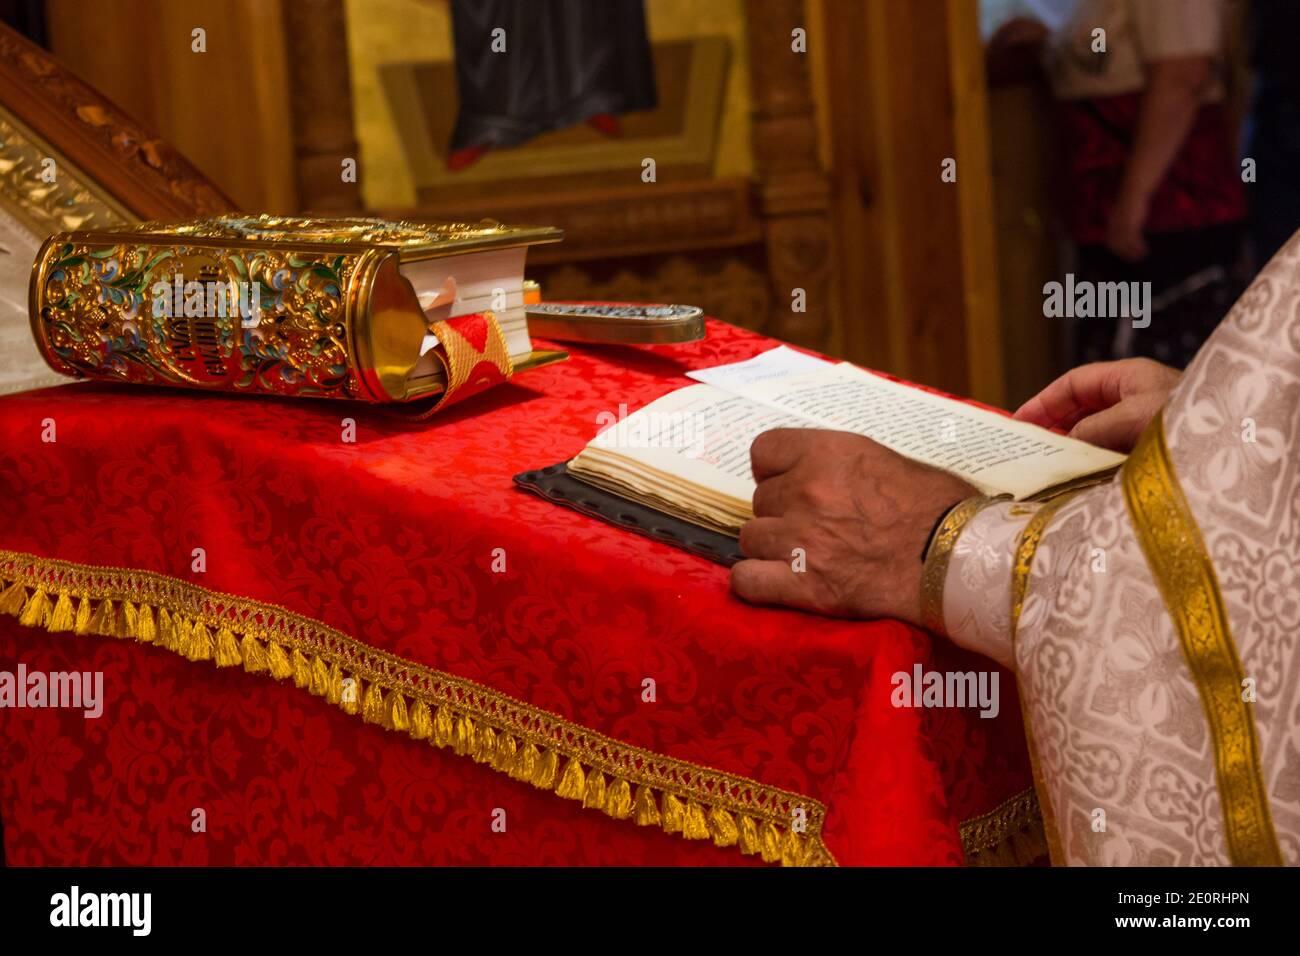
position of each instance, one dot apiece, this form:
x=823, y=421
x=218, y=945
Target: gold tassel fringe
x=594, y=797
x=252, y=654
x=227, y=650
x=13, y=599
x=547, y=771
x=749, y=842
x=526, y=763
x=82, y=624
x=421, y=721
x=398, y=718
x=504, y=757
x=182, y=634
x=36, y=612
x=618, y=799
x=1012, y=834
x=200, y=642
x=674, y=816
x=372, y=711
x=166, y=632
x=485, y=744
x=102, y=621
x=144, y=629
x=573, y=782
x=301, y=670
x=722, y=827
x=695, y=827
x=277, y=662
x=320, y=677
x=334, y=685
x=349, y=694
x=63, y=618
x=543, y=767
x=644, y=810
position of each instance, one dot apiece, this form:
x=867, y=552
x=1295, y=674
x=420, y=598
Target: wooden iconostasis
x=784, y=178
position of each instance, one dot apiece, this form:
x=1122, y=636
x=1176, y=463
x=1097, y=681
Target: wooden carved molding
x=794, y=193
x=729, y=284
x=138, y=171
x=632, y=221
x=320, y=97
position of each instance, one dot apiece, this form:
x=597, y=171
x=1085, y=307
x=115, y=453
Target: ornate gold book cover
x=286, y=306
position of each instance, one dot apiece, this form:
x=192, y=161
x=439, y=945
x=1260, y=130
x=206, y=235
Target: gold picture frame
x=681, y=134
x=70, y=159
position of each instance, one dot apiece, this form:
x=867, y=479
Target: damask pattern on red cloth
x=413, y=540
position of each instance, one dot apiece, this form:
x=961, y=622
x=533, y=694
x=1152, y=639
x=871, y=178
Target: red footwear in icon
x=461, y=158
x=608, y=124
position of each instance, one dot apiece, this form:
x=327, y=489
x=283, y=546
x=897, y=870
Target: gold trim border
x=73, y=201
x=1176, y=554
x=524, y=742
x=1011, y=834
x=934, y=572
x=1026, y=549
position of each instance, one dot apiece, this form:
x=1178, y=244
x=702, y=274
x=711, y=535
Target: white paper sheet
x=772, y=365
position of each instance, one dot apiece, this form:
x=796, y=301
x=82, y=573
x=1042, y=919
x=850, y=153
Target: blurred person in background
x=1274, y=139
x=1151, y=189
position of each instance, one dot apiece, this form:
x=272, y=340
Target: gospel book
x=324, y=308
x=687, y=454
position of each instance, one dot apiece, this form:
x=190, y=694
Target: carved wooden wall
x=321, y=105
x=226, y=108
x=919, y=283
x=793, y=191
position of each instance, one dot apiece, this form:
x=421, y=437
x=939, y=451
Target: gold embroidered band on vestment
x=934, y=572
x=1021, y=569
x=1181, y=566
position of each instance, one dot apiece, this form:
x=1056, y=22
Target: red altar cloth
x=392, y=540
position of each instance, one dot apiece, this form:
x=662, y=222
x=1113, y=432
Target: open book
x=687, y=453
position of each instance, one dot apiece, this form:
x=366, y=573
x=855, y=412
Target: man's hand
x=1106, y=403
x=839, y=524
